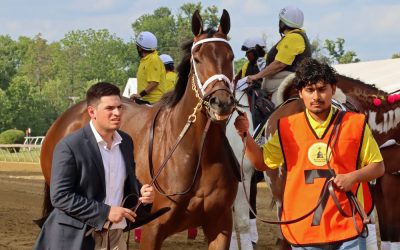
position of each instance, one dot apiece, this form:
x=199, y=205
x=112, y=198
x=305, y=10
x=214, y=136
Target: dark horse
x=384, y=123
x=198, y=181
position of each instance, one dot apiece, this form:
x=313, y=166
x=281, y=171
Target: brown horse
x=384, y=122
x=198, y=181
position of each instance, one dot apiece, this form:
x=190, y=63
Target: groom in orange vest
x=321, y=148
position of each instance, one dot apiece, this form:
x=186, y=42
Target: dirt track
x=21, y=187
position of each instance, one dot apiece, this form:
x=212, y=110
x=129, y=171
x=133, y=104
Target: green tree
x=172, y=31
x=90, y=54
x=318, y=51
x=8, y=60
x=37, y=63
x=4, y=121
x=396, y=55
x=239, y=64
x=337, y=52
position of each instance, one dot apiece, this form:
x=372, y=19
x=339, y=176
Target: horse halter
x=216, y=77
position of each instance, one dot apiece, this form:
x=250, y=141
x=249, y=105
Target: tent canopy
x=384, y=74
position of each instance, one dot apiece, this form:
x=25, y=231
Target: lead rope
x=354, y=202
x=275, y=222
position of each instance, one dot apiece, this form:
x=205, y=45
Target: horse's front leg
x=218, y=231
x=152, y=237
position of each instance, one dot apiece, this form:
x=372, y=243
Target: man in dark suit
x=92, y=171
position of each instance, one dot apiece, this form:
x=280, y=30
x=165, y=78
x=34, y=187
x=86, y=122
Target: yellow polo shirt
x=170, y=81
x=151, y=69
x=291, y=45
x=273, y=155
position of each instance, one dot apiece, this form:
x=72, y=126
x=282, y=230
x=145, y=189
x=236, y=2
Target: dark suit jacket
x=77, y=190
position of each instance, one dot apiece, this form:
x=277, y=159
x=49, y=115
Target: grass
x=24, y=155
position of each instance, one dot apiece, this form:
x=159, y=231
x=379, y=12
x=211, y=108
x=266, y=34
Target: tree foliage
x=171, y=31
x=39, y=80
x=9, y=60
x=337, y=52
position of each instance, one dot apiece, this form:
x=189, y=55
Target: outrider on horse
x=180, y=142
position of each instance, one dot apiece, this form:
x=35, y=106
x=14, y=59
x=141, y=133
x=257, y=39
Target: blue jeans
x=356, y=244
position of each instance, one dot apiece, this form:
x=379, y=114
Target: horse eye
x=196, y=60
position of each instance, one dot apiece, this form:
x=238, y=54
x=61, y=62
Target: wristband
x=143, y=93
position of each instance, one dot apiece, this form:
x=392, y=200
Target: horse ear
x=224, y=22
x=197, y=23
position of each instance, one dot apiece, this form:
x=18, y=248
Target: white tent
x=130, y=87
x=384, y=74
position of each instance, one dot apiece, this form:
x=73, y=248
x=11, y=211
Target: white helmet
x=251, y=42
x=166, y=59
x=292, y=16
x=146, y=40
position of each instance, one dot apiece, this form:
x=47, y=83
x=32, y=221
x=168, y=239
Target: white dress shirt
x=114, y=170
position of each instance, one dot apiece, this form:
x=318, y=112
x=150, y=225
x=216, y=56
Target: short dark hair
x=310, y=71
x=169, y=66
x=100, y=89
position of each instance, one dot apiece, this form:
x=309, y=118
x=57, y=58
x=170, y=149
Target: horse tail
x=47, y=207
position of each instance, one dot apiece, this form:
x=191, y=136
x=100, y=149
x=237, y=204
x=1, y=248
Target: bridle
x=203, y=99
x=228, y=83
x=202, y=96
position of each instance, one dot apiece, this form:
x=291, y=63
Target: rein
x=190, y=121
x=202, y=100
x=202, y=96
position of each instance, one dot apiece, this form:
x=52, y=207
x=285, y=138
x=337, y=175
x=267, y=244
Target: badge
x=317, y=154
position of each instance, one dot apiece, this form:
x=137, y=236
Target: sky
x=371, y=28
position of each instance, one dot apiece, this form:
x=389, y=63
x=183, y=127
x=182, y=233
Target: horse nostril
x=232, y=100
x=214, y=101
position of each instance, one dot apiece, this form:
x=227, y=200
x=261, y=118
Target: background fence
x=27, y=152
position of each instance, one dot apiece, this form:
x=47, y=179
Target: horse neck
x=186, y=107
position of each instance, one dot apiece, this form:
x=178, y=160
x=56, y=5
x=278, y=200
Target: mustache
x=317, y=102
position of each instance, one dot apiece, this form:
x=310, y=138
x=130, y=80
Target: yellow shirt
x=151, y=69
x=291, y=45
x=273, y=155
x=170, y=81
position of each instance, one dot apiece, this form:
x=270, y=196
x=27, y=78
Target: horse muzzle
x=220, y=105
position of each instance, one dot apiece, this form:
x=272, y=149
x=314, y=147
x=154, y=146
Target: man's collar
x=117, y=139
x=315, y=124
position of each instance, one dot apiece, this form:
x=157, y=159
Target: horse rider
x=327, y=154
x=151, y=71
x=170, y=77
x=254, y=47
x=284, y=57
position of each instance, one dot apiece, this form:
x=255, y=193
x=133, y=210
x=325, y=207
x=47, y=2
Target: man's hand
x=252, y=78
x=147, y=193
x=242, y=124
x=118, y=213
x=345, y=182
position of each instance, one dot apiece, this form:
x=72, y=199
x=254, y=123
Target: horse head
x=212, y=67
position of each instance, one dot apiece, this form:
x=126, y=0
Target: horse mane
x=371, y=87
x=172, y=98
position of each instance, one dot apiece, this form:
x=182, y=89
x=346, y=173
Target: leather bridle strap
x=354, y=202
x=154, y=176
x=217, y=77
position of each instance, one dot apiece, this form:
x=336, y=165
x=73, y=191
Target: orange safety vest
x=307, y=172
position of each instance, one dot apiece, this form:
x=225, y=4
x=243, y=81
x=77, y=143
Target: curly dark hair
x=311, y=71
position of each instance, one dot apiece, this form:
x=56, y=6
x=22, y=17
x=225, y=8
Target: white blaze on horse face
x=391, y=119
